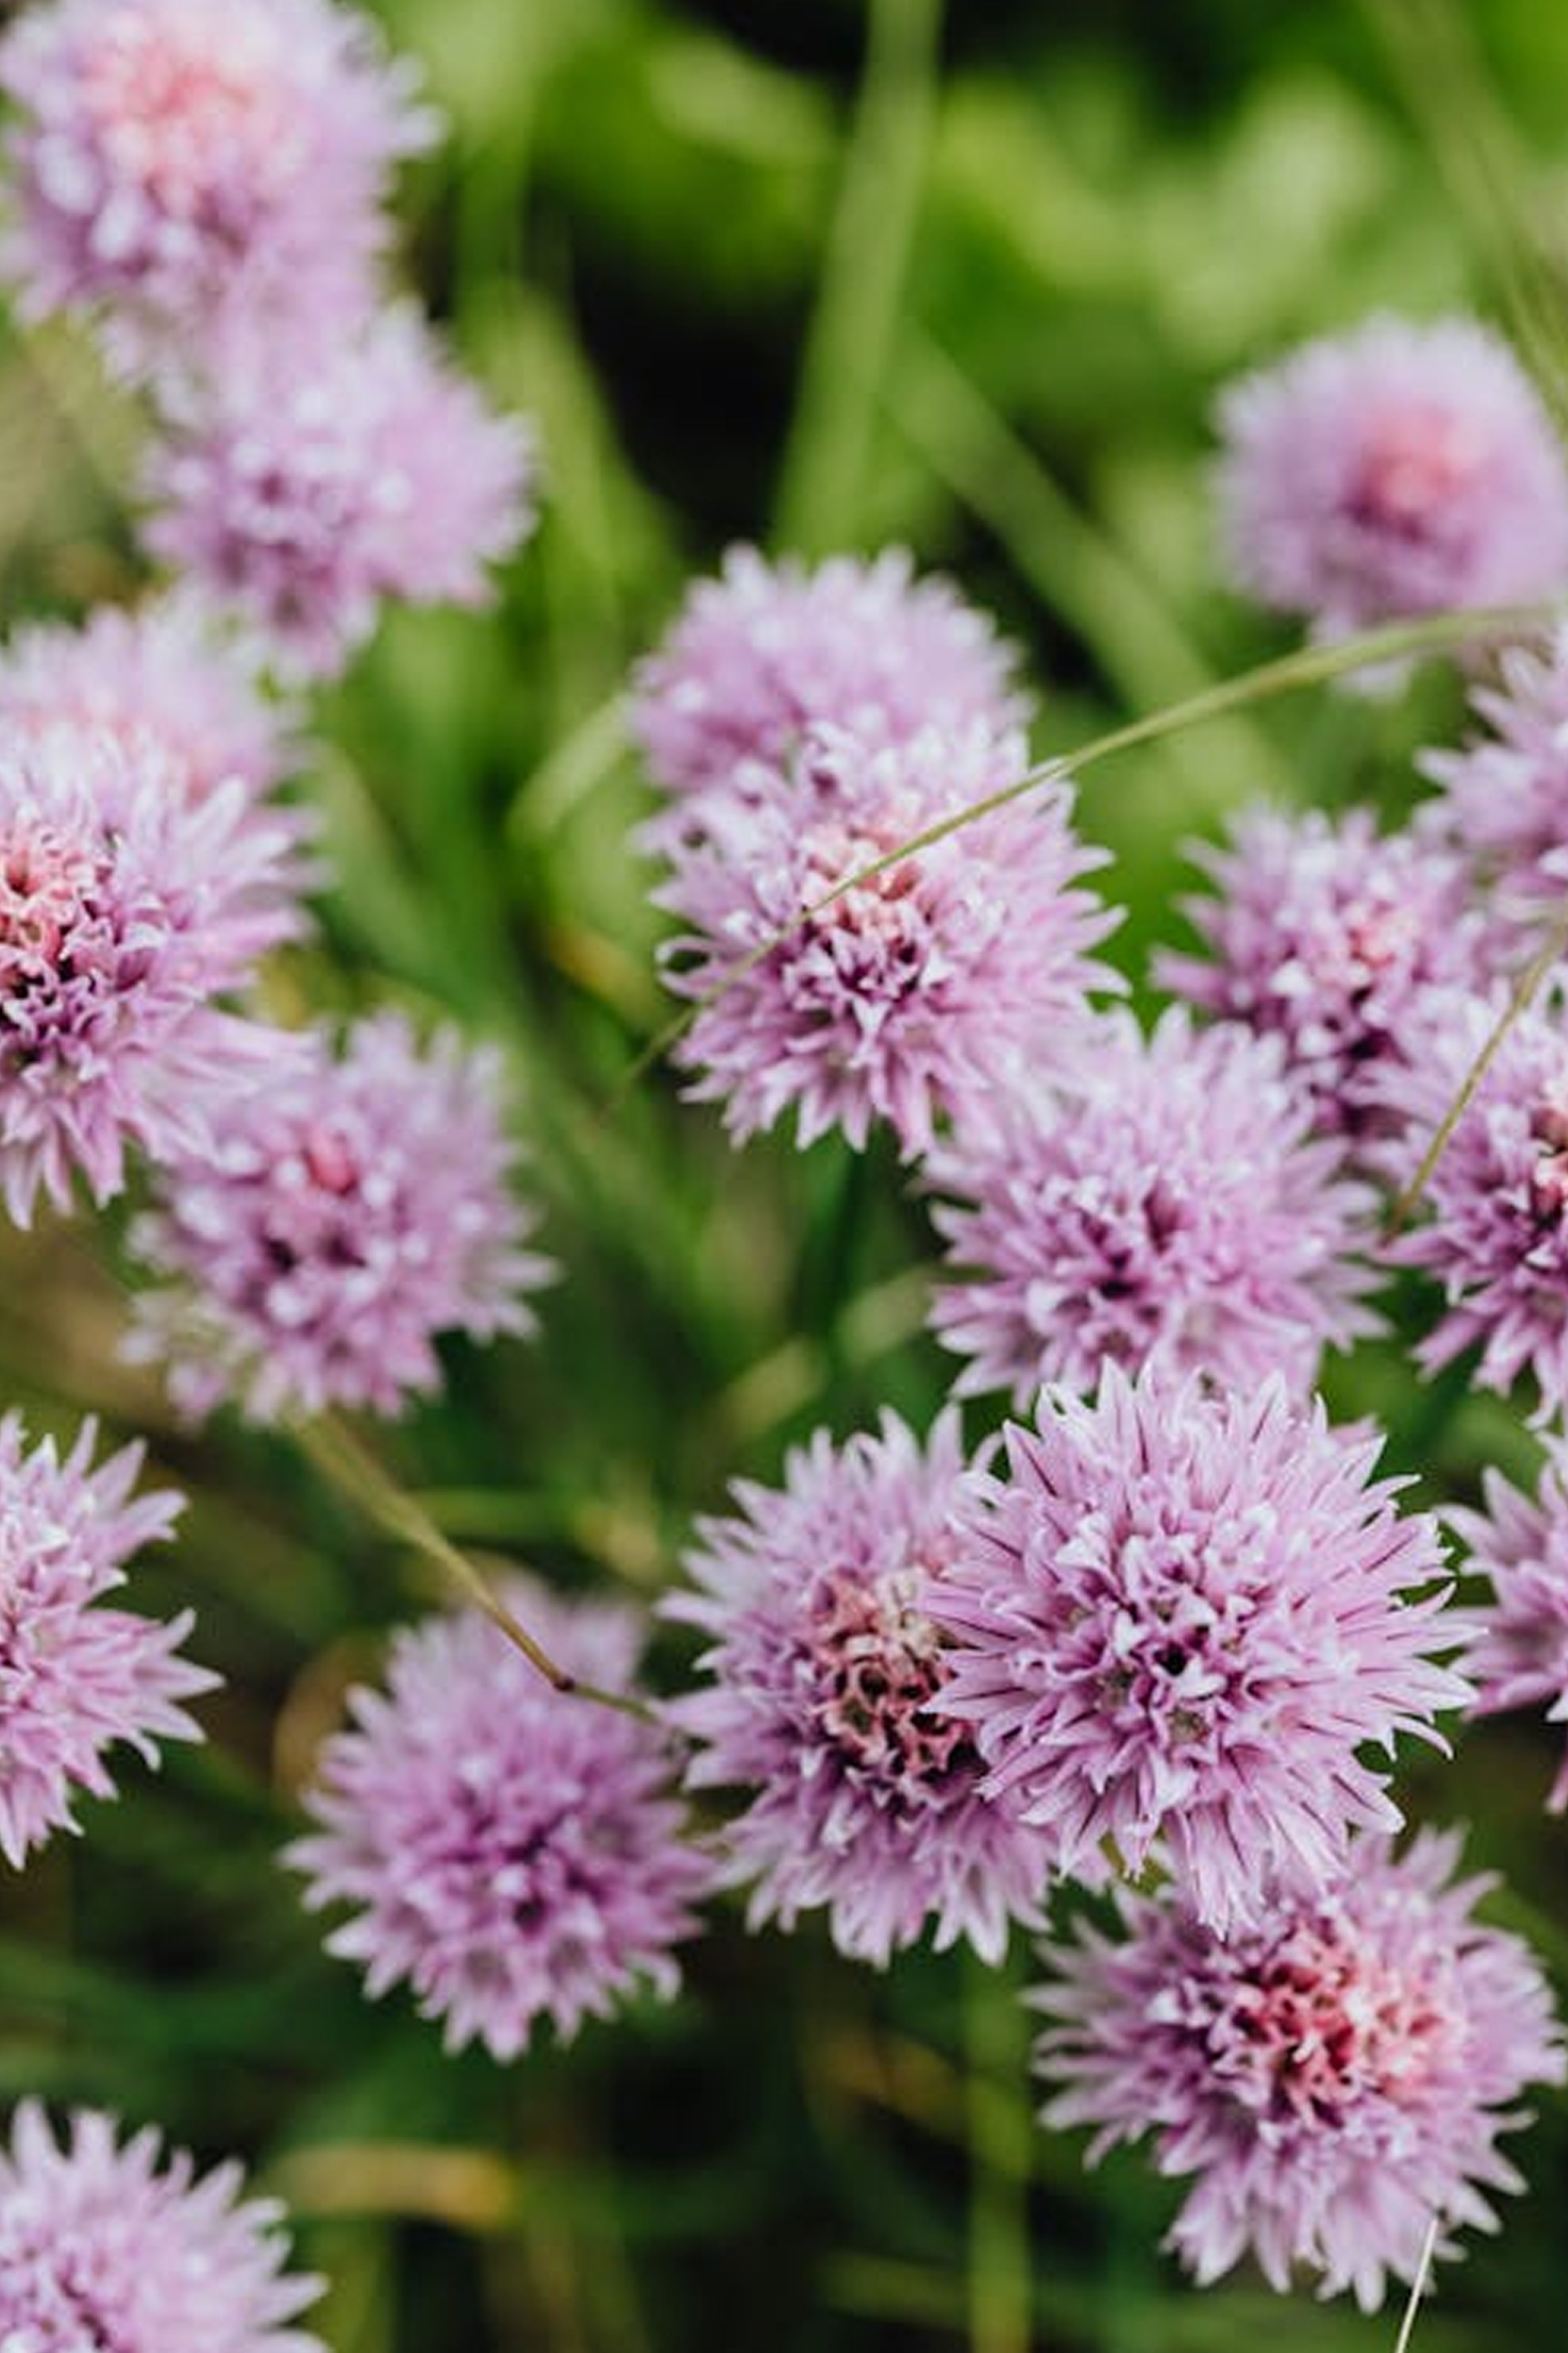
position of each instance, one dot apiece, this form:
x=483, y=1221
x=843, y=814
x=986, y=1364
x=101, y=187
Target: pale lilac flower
x=346, y=1216
x=511, y=1852
x=1517, y=1653
x=824, y=1664
x=1505, y=797
x=301, y=497
x=126, y=912
x=1335, y=937
x=160, y=670
x=935, y=978
x=1179, y=1618
x=104, y=2245
x=1497, y=1235
x=1335, y=2076
x=1390, y=472
x=1163, y=1199
x=756, y=658
x=175, y=162
x=76, y=1677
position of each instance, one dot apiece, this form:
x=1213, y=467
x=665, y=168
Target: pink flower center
x=1549, y=1176
x=1415, y=460
x=45, y=882
x=877, y=1665
x=329, y=1161
x=1320, y=2020
x=186, y=107
x=876, y=909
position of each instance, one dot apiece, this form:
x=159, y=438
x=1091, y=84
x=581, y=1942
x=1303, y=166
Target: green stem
x=1001, y=2135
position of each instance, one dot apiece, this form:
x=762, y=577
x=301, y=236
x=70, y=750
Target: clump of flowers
x=510, y=1852
x=826, y=1666
x=126, y=914
x=1334, y=937
x=1505, y=797
x=177, y=165
x=1177, y=1620
x=301, y=497
x=108, y=2244
x=1517, y=1651
x=1390, y=472
x=75, y=1676
x=1335, y=2076
x=346, y=1214
x=934, y=978
x=1163, y=1199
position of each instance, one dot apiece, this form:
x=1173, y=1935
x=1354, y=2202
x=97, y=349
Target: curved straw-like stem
x=1417, y=2286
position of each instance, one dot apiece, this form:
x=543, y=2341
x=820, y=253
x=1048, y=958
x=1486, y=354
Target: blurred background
x=820, y=275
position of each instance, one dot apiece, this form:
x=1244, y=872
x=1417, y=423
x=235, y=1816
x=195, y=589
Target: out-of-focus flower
x=1394, y=472
x=301, y=497
x=824, y=1667
x=76, y=1677
x=345, y=1217
x=1517, y=1653
x=1335, y=2077
x=511, y=1852
x=1179, y=1618
x=1163, y=1199
x=104, y=2245
x=176, y=162
x=1505, y=798
x=126, y=912
x=939, y=975
x=1335, y=937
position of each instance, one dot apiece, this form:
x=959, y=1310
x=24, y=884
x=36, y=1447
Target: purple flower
x=299, y=497
x=758, y=657
x=125, y=911
x=1505, y=798
x=1178, y=1618
x=511, y=1852
x=1335, y=2076
x=76, y=1677
x=346, y=1216
x=105, y=2246
x=935, y=978
x=1163, y=1199
x=176, y=163
x=1390, y=472
x=1518, y=1649
x=1334, y=937
x=824, y=1665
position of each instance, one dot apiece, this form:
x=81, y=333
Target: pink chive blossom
x=126, y=914
x=1335, y=938
x=511, y=1852
x=75, y=1676
x=765, y=652
x=300, y=498
x=1504, y=796
x=1496, y=1235
x=111, y=2245
x=1391, y=472
x=1178, y=1618
x=162, y=671
x=1334, y=2076
x=344, y=1217
x=1518, y=1650
x=175, y=163
x=824, y=1666
x=1165, y=1200
x=934, y=978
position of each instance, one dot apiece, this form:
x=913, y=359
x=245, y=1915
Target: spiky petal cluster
x=125, y=911
x=1517, y=1653
x=110, y=2245
x=824, y=1665
x=1179, y=1618
x=767, y=651
x=1496, y=1233
x=301, y=497
x=510, y=1852
x=1165, y=1200
x=346, y=1214
x=1505, y=797
x=1335, y=2077
x=1334, y=937
x=160, y=671
x=930, y=979
x=76, y=1677
x=1390, y=472
x=175, y=163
